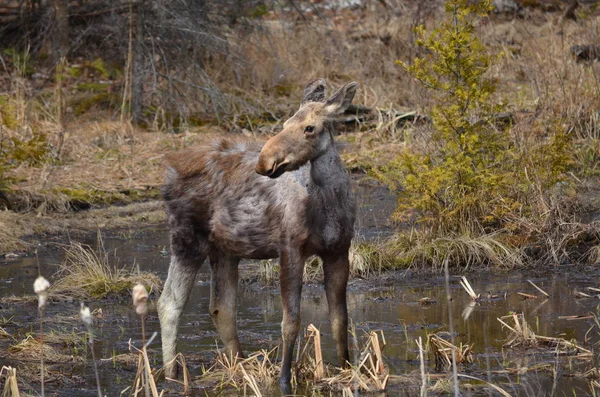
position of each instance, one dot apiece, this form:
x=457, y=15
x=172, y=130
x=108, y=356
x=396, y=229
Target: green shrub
x=472, y=176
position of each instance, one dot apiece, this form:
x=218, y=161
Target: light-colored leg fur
x=181, y=279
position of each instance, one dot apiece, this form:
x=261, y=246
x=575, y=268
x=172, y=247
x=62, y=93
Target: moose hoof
x=171, y=371
x=285, y=386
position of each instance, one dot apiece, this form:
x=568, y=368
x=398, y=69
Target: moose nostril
x=273, y=169
x=262, y=167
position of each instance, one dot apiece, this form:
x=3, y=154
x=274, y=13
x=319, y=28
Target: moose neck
x=327, y=169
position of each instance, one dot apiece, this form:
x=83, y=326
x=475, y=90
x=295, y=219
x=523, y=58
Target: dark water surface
x=391, y=306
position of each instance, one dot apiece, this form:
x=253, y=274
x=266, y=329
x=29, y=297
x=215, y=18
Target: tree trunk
x=137, y=90
x=60, y=42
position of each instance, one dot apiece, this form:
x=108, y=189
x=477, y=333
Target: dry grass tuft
x=417, y=249
x=258, y=370
x=442, y=351
x=521, y=335
x=268, y=272
x=32, y=349
x=370, y=375
x=85, y=273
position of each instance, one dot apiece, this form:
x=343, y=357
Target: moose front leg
x=336, y=270
x=290, y=279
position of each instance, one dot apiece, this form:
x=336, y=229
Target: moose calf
x=291, y=199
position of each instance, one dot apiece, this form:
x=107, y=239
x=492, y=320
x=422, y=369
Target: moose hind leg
x=336, y=270
x=223, y=300
x=187, y=257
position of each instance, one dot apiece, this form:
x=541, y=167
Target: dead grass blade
x=11, y=384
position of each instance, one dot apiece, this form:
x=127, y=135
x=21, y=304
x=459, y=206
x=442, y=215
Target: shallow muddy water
x=391, y=305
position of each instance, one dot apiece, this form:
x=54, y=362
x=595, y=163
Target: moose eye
x=309, y=129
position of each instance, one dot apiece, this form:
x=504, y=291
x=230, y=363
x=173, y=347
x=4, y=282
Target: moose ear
x=314, y=92
x=339, y=102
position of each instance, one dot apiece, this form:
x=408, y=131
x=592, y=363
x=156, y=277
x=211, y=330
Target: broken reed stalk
x=40, y=287
x=444, y=351
x=377, y=349
x=538, y=288
x=11, y=385
x=369, y=373
x=467, y=286
x=422, y=362
x=144, y=380
x=86, y=317
x=315, y=334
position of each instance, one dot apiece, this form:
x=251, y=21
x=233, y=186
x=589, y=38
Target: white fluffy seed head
x=86, y=315
x=42, y=299
x=140, y=299
x=40, y=285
